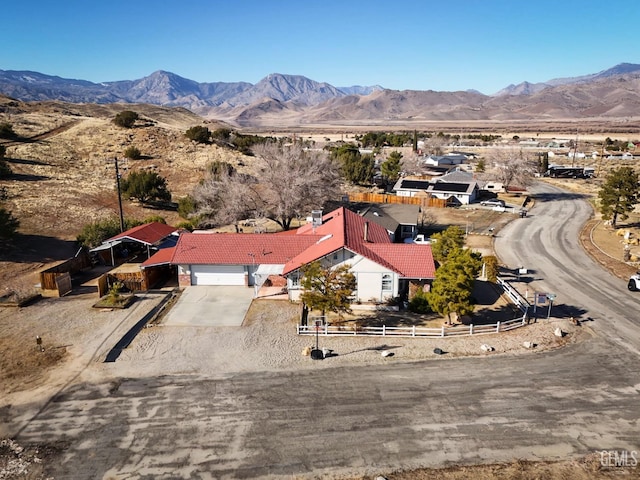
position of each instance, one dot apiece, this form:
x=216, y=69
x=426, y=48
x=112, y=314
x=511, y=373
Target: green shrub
x=126, y=119
x=419, y=303
x=94, y=233
x=198, y=134
x=133, y=153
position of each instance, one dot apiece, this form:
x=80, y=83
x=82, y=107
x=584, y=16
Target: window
x=295, y=280
x=387, y=282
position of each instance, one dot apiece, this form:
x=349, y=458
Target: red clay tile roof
x=409, y=260
x=149, y=233
x=235, y=248
x=340, y=228
x=161, y=257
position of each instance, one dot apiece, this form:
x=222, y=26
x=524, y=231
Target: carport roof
x=149, y=233
x=161, y=257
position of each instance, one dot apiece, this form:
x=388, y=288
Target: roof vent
x=326, y=237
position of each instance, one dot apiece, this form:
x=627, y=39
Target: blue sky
x=402, y=44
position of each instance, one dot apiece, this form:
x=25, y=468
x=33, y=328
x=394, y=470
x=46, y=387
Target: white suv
x=634, y=282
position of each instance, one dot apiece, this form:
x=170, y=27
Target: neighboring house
x=467, y=155
x=410, y=187
x=143, y=240
x=383, y=269
x=444, y=160
x=400, y=221
x=457, y=187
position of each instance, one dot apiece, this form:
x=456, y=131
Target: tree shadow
x=378, y=348
x=552, y=197
x=21, y=177
x=38, y=248
x=485, y=292
x=490, y=316
x=395, y=319
x=24, y=161
x=567, y=311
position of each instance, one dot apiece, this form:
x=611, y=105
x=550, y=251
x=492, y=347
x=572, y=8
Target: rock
x=528, y=344
x=386, y=353
x=486, y=348
x=438, y=351
x=306, y=351
x=558, y=332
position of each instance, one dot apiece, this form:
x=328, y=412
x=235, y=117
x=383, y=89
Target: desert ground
x=66, y=177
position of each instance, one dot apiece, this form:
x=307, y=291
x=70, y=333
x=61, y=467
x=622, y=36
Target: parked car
x=494, y=202
x=634, y=282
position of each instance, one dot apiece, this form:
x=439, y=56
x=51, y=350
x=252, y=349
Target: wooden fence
x=386, y=198
x=413, y=331
x=56, y=280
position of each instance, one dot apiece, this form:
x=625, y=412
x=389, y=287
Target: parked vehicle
x=634, y=282
x=494, y=202
x=420, y=239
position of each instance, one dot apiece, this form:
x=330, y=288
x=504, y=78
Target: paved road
x=546, y=242
x=367, y=420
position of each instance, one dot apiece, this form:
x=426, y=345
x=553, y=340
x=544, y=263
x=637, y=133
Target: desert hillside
x=64, y=174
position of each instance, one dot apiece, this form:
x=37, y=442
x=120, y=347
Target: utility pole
x=119, y=195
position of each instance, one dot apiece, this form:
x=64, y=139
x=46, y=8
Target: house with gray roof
x=457, y=187
x=400, y=220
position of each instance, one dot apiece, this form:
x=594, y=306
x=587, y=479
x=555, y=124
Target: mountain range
x=280, y=99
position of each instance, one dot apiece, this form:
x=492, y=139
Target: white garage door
x=217, y=275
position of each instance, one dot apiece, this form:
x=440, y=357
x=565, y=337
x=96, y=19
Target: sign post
x=551, y=297
x=316, y=354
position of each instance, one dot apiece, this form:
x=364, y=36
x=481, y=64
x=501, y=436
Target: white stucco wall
x=368, y=277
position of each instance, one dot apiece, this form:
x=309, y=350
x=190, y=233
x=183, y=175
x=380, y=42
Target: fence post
x=326, y=329
x=384, y=330
x=413, y=331
x=498, y=327
x=442, y=331
x=471, y=329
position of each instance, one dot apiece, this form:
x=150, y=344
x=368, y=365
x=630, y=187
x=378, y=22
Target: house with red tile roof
x=382, y=269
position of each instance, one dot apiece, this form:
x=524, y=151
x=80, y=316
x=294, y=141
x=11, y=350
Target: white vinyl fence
x=317, y=326
x=413, y=331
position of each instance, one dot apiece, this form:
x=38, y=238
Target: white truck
x=420, y=239
x=634, y=282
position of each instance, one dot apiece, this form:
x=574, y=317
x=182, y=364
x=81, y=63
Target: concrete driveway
x=211, y=306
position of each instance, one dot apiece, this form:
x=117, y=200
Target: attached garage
x=218, y=275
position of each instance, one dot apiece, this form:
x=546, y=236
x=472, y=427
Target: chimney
x=316, y=218
x=366, y=231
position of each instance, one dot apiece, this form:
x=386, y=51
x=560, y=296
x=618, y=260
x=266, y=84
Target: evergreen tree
x=391, y=168
x=619, y=194
x=445, y=242
x=145, y=186
x=8, y=225
x=451, y=290
x=356, y=168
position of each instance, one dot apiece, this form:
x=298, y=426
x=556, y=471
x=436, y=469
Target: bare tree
x=290, y=182
x=511, y=166
x=224, y=199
